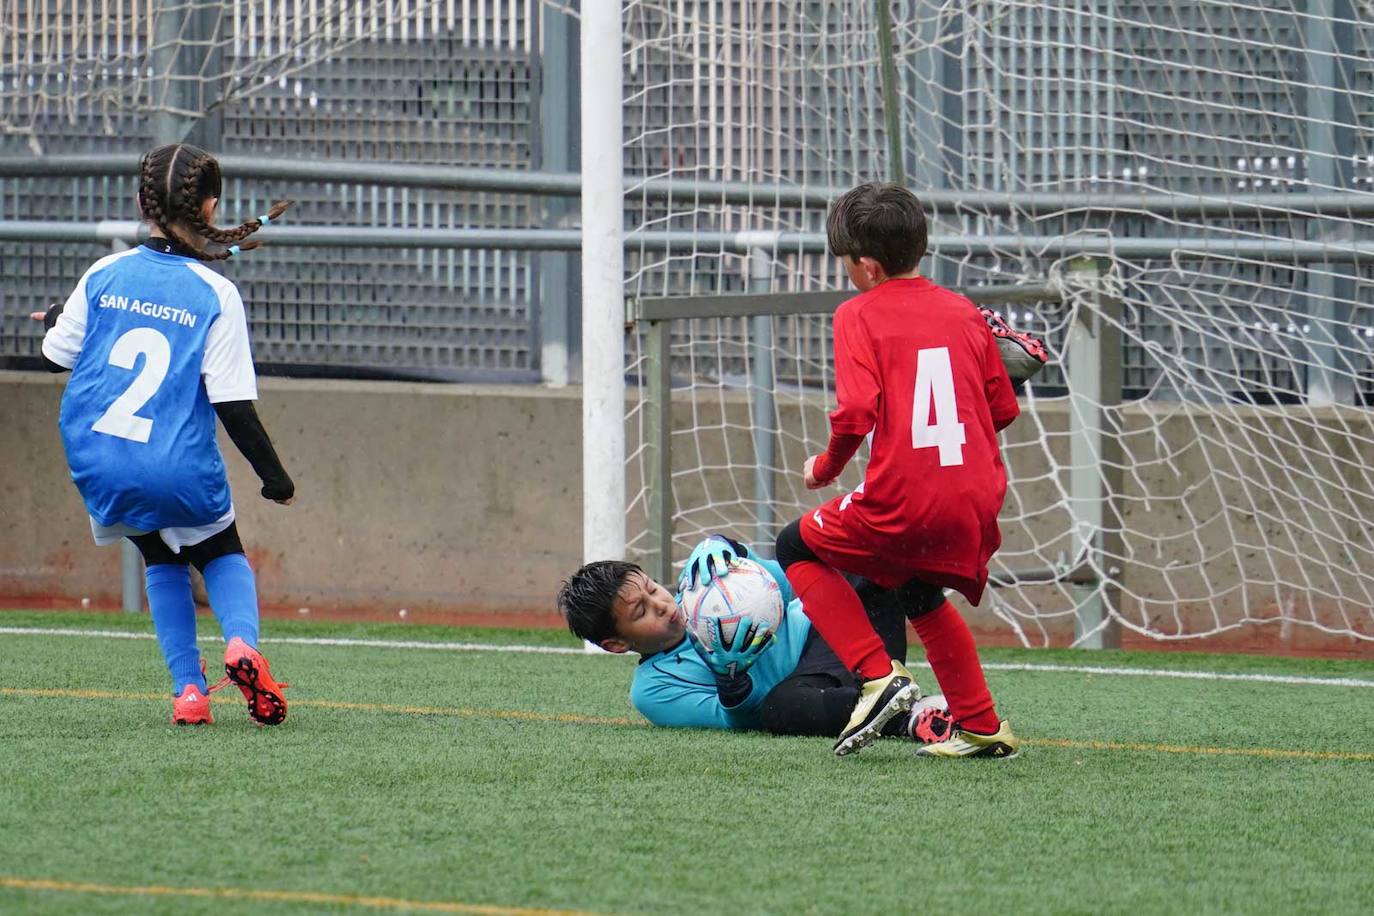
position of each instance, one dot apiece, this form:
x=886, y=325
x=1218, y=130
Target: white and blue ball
x=747, y=590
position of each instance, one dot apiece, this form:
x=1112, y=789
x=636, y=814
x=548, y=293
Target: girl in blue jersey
x=157, y=344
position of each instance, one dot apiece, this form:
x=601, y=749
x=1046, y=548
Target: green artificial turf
x=485, y=797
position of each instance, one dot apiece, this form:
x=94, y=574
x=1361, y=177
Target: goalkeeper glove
x=712, y=557
x=751, y=639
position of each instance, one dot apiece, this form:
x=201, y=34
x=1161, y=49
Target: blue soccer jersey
x=675, y=688
x=152, y=339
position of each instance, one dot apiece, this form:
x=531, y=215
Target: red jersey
x=916, y=365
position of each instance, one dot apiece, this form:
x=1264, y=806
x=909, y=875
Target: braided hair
x=174, y=181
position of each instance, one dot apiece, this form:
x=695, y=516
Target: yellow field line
x=464, y=712
x=579, y=719
x=470, y=712
x=1272, y=752
x=228, y=893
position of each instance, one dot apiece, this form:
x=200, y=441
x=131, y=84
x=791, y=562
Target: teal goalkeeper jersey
x=674, y=688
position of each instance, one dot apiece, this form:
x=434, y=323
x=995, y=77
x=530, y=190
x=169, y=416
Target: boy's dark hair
x=587, y=598
x=881, y=221
x=174, y=181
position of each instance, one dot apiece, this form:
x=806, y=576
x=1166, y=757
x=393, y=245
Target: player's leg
x=817, y=698
x=232, y=588
x=930, y=719
x=229, y=583
x=886, y=609
x=167, y=580
x=813, y=705
x=953, y=657
x=832, y=605
x=836, y=612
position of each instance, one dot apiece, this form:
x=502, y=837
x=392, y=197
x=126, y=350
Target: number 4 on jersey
x=935, y=381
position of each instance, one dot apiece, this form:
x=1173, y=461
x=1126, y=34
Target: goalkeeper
x=787, y=682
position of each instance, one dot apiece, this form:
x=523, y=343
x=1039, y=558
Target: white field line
x=562, y=650
x=1184, y=675
x=321, y=641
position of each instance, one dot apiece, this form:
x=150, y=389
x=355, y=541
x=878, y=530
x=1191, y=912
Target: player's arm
x=245, y=429
x=674, y=703
x=826, y=466
x=49, y=319
x=64, y=326
x=858, y=389
x=232, y=386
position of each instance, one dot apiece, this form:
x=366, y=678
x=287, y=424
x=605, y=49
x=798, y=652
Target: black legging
x=156, y=552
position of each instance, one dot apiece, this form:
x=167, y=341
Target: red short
x=840, y=538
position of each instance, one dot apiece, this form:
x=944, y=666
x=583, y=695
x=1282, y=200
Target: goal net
x=1214, y=156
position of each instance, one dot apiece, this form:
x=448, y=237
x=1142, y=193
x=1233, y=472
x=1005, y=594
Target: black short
x=156, y=552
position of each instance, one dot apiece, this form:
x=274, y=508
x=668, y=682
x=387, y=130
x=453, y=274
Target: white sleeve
x=228, y=363
x=62, y=344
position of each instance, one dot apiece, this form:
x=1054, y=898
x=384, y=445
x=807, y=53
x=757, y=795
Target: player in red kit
x=917, y=366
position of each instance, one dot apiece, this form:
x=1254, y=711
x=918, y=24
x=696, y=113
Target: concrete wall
x=443, y=497
x=464, y=498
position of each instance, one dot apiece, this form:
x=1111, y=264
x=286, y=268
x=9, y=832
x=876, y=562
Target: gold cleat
x=879, y=700
x=960, y=743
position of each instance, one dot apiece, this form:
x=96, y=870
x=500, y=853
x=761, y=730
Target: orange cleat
x=246, y=667
x=192, y=707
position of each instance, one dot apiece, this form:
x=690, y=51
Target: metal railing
x=1353, y=204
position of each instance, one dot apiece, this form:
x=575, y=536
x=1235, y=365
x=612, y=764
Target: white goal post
x=603, y=285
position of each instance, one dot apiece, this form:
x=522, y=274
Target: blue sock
x=233, y=596
x=174, y=619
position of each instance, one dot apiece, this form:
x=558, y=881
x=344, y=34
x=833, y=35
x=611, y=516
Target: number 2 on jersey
x=121, y=418
x=935, y=381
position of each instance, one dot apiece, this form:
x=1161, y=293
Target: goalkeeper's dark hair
x=174, y=181
x=878, y=220
x=587, y=598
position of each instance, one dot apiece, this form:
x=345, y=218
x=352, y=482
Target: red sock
x=953, y=657
x=838, y=615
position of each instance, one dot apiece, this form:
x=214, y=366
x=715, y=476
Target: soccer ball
x=747, y=590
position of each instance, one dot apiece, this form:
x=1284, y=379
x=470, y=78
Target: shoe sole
x=176, y=721
x=244, y=673
x=901, y=702
x=989, y=752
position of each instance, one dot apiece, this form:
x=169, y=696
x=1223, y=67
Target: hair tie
x=233, y=250
x=265, y=220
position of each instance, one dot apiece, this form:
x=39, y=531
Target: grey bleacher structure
x=442, y=98
x=408, y=312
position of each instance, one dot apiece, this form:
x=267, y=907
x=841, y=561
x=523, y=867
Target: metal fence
x=459, y=84
x=465, y=93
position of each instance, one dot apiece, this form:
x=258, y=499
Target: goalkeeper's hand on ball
x=712, y=557
x=751, y=639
